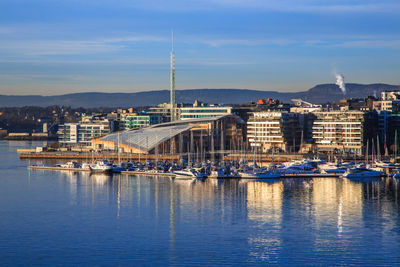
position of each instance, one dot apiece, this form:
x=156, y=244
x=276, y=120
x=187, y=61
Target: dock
x=95, y=156
x=53, y=168
x=311, y=175
x=148, y=173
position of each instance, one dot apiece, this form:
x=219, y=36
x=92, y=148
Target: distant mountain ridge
x=321, y=93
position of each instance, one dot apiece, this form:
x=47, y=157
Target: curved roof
x=146, y=139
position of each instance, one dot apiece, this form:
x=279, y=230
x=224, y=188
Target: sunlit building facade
x=274, y=130
x=339, y=131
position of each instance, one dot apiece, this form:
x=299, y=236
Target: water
x=59, y=218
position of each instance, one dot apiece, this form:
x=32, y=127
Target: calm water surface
x=60, y=218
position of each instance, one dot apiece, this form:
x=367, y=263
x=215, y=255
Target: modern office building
x=164, y=111
x=132, y=121
x=200, y=110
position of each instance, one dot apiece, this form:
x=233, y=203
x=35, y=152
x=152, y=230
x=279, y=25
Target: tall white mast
x=172, y=81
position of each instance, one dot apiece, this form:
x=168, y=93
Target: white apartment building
x=85, y=131
x=339, y=130
x=274, y=130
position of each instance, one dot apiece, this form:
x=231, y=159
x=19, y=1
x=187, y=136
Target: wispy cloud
x=116, y=44
x=370, y=44
x=344, y=41
x=315, y=6
x=303, y=6
x=244, y=42
x=72, y=47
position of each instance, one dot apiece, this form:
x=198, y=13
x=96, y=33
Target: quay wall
x=89, y=156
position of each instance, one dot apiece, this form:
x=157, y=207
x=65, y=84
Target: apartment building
x=274, y=130
x=339, y=131
x=85, y=131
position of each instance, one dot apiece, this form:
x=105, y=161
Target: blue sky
x=52, y=47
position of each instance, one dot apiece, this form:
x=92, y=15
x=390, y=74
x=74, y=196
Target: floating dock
x=53, y=168
x=148, y=173
x=311, y=175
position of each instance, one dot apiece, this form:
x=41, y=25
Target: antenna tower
x=172, y=81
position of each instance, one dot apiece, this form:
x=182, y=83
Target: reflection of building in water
x=264, y=201
x=336, y=199
x=264, y=208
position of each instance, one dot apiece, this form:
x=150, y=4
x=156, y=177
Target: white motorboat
x=85, y=166
x=70, y=165
x=332, y=168
x=101, y=166
x=189, y=174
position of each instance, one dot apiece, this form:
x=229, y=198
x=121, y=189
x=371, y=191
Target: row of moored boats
x=239, y=169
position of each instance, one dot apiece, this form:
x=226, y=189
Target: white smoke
x=340, y=82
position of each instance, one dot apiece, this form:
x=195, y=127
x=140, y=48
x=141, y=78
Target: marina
x=248, y=216
x=200, y=133
x=312, y=168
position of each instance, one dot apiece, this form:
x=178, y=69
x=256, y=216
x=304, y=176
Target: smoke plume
x=340, y=83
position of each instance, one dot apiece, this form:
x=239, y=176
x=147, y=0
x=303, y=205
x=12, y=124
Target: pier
x=96, y=156
x=53, y=168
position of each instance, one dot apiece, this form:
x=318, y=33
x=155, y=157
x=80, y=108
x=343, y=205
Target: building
x=82, y=133
x=341, y=131
x=273, y=130
x=196, y=111
x=164, y=111
x=68, y=133
x=389, y=101
x=390, y=95
x=132, y=121
x=387, y=105
x=195, y=138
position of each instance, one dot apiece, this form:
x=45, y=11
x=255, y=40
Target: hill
x=319, y=94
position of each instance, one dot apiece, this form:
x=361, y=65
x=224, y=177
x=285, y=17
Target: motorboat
x=362, y=173
x=189, y=173
x=257, y=175
x=223, y=173
x=85, y=166
x=101, y=166
x=70, y=165
x=332, y=168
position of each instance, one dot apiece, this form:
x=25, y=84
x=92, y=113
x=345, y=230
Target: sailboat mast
x=395, y=145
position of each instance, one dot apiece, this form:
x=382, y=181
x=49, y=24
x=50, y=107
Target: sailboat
x=118, y=168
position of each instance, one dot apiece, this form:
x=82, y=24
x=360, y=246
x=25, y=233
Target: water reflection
x=284, y=217
x=132, y=220
x=263, y=201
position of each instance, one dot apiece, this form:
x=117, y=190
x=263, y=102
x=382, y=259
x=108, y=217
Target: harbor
x=242, y=169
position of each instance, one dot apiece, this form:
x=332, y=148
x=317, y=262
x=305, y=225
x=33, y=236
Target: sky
x=52, y=47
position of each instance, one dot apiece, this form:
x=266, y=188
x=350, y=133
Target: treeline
x=31, y=118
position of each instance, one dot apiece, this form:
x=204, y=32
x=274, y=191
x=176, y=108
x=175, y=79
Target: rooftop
x=146, y=139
